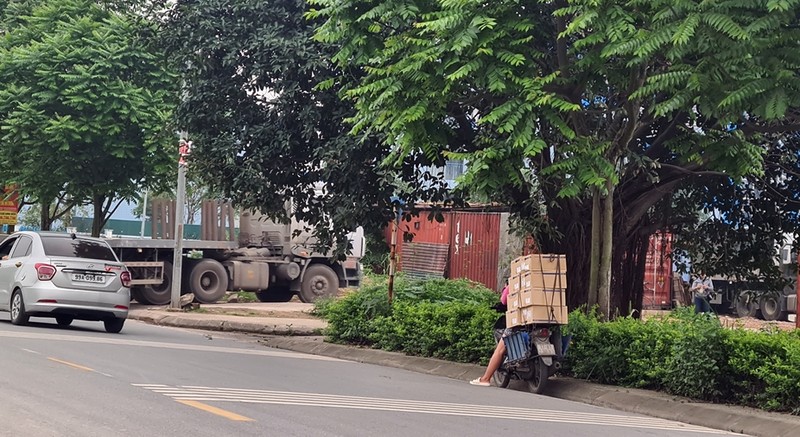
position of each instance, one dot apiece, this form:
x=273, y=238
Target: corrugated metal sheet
x=474, y=247
x=424, y=259
x=658, y=273
x=472, y=240
x=419, y=230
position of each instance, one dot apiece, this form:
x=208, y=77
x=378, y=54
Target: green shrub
x=447, y=319
x=689, y=355
x=765, y=369
x=455, y=331
x=684, y=353
x=697, y=358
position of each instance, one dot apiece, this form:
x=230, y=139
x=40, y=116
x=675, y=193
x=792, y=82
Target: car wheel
x=319, y=281
x=18, y=314
x=275, y=294
x=114, y=325
x=208, y=281
x=64, y=320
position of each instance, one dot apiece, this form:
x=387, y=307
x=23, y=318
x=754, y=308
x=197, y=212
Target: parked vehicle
x=757, y=299
x=274, y=260
x=63, y=276
x=533, y=354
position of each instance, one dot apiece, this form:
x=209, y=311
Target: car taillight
x=125, y=277
x=45, y=272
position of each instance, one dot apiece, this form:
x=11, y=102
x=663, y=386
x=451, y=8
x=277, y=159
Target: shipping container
x=658, y=273
x=477, y=245
x=466, y=244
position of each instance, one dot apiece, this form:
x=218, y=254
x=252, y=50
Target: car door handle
x=18, y=264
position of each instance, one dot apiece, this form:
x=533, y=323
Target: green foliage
x=447, y=319
x=454, y=331
x=689, y=355
x=85, y=101
x=260, y=102
x=566, y=97
x=765, y=368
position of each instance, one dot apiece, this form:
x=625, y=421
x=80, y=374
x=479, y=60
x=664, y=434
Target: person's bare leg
x=495, y=361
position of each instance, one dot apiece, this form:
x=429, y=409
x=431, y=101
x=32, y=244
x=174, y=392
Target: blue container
x=518, y=346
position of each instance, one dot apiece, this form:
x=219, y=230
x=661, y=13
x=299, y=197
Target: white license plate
x=94, y=279
x=545, y=349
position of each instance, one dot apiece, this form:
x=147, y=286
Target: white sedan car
x=64, y=276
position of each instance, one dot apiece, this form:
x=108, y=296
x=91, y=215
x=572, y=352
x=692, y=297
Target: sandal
x=478, y=382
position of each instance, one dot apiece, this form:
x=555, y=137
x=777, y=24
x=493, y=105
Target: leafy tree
x=260, y=104
x=85, y=102
x=607, y=106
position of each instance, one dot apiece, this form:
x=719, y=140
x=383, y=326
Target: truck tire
x=275, y=294
x=137, y=295
x=160, y=294
x=208, y=281
x=770, y=307
x=319, y=281
x=745, y=307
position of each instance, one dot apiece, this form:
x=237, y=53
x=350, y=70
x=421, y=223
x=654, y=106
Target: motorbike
x=533, y=354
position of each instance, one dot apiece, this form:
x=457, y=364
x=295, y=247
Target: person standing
x=701, y=289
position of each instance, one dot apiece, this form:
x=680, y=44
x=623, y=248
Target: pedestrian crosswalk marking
x=253, y=396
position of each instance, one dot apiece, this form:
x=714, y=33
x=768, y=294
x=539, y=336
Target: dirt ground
x=248, y=312
x=754, y=324
x=750, y=323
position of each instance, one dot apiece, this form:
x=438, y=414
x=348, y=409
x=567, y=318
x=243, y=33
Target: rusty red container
x=465, y=245
x=658, y=273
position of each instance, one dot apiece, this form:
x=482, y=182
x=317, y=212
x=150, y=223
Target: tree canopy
x=622, y=100
x=85, y=102
x=260, y=103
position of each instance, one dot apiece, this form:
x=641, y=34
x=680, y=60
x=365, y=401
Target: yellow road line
x=218, y=411
x=67, y=363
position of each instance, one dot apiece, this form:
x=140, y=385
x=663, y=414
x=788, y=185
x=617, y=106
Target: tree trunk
x=46, y=220
x=624, y=259
x=594, y=263
x=98, y=220
x=606, y=252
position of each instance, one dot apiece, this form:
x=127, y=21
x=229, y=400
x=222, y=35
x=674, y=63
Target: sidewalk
x=290, y=326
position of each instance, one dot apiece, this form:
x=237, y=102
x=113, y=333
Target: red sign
x=9, y=204
x=184, y=149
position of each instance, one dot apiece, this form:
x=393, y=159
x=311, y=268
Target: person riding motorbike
x=499, y=351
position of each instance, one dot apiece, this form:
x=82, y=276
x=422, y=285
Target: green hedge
x=684, y=353
x=689, y=355
x=447, y=319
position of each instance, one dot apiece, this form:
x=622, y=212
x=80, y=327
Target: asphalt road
x=157, y=381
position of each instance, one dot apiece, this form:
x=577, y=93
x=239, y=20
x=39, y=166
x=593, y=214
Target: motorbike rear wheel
x=538, y=380
x=501, y=378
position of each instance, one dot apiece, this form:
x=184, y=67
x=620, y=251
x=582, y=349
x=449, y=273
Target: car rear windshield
x=77, y=248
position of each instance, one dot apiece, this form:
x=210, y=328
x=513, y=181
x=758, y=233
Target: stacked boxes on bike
x=537, y=296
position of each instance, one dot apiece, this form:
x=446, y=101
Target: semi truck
x=274, y=260
x=750, y=299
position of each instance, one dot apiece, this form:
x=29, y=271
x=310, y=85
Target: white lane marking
x=163, y=345
x=211, y=394
x=33, y=352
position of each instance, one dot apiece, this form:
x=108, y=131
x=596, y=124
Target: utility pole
x=184, y=149
x=144, y=214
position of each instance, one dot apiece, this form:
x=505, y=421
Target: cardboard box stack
x=537, y=290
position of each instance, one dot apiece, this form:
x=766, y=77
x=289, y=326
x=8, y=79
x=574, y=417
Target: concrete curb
x=655, y=404
x=210, y=324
